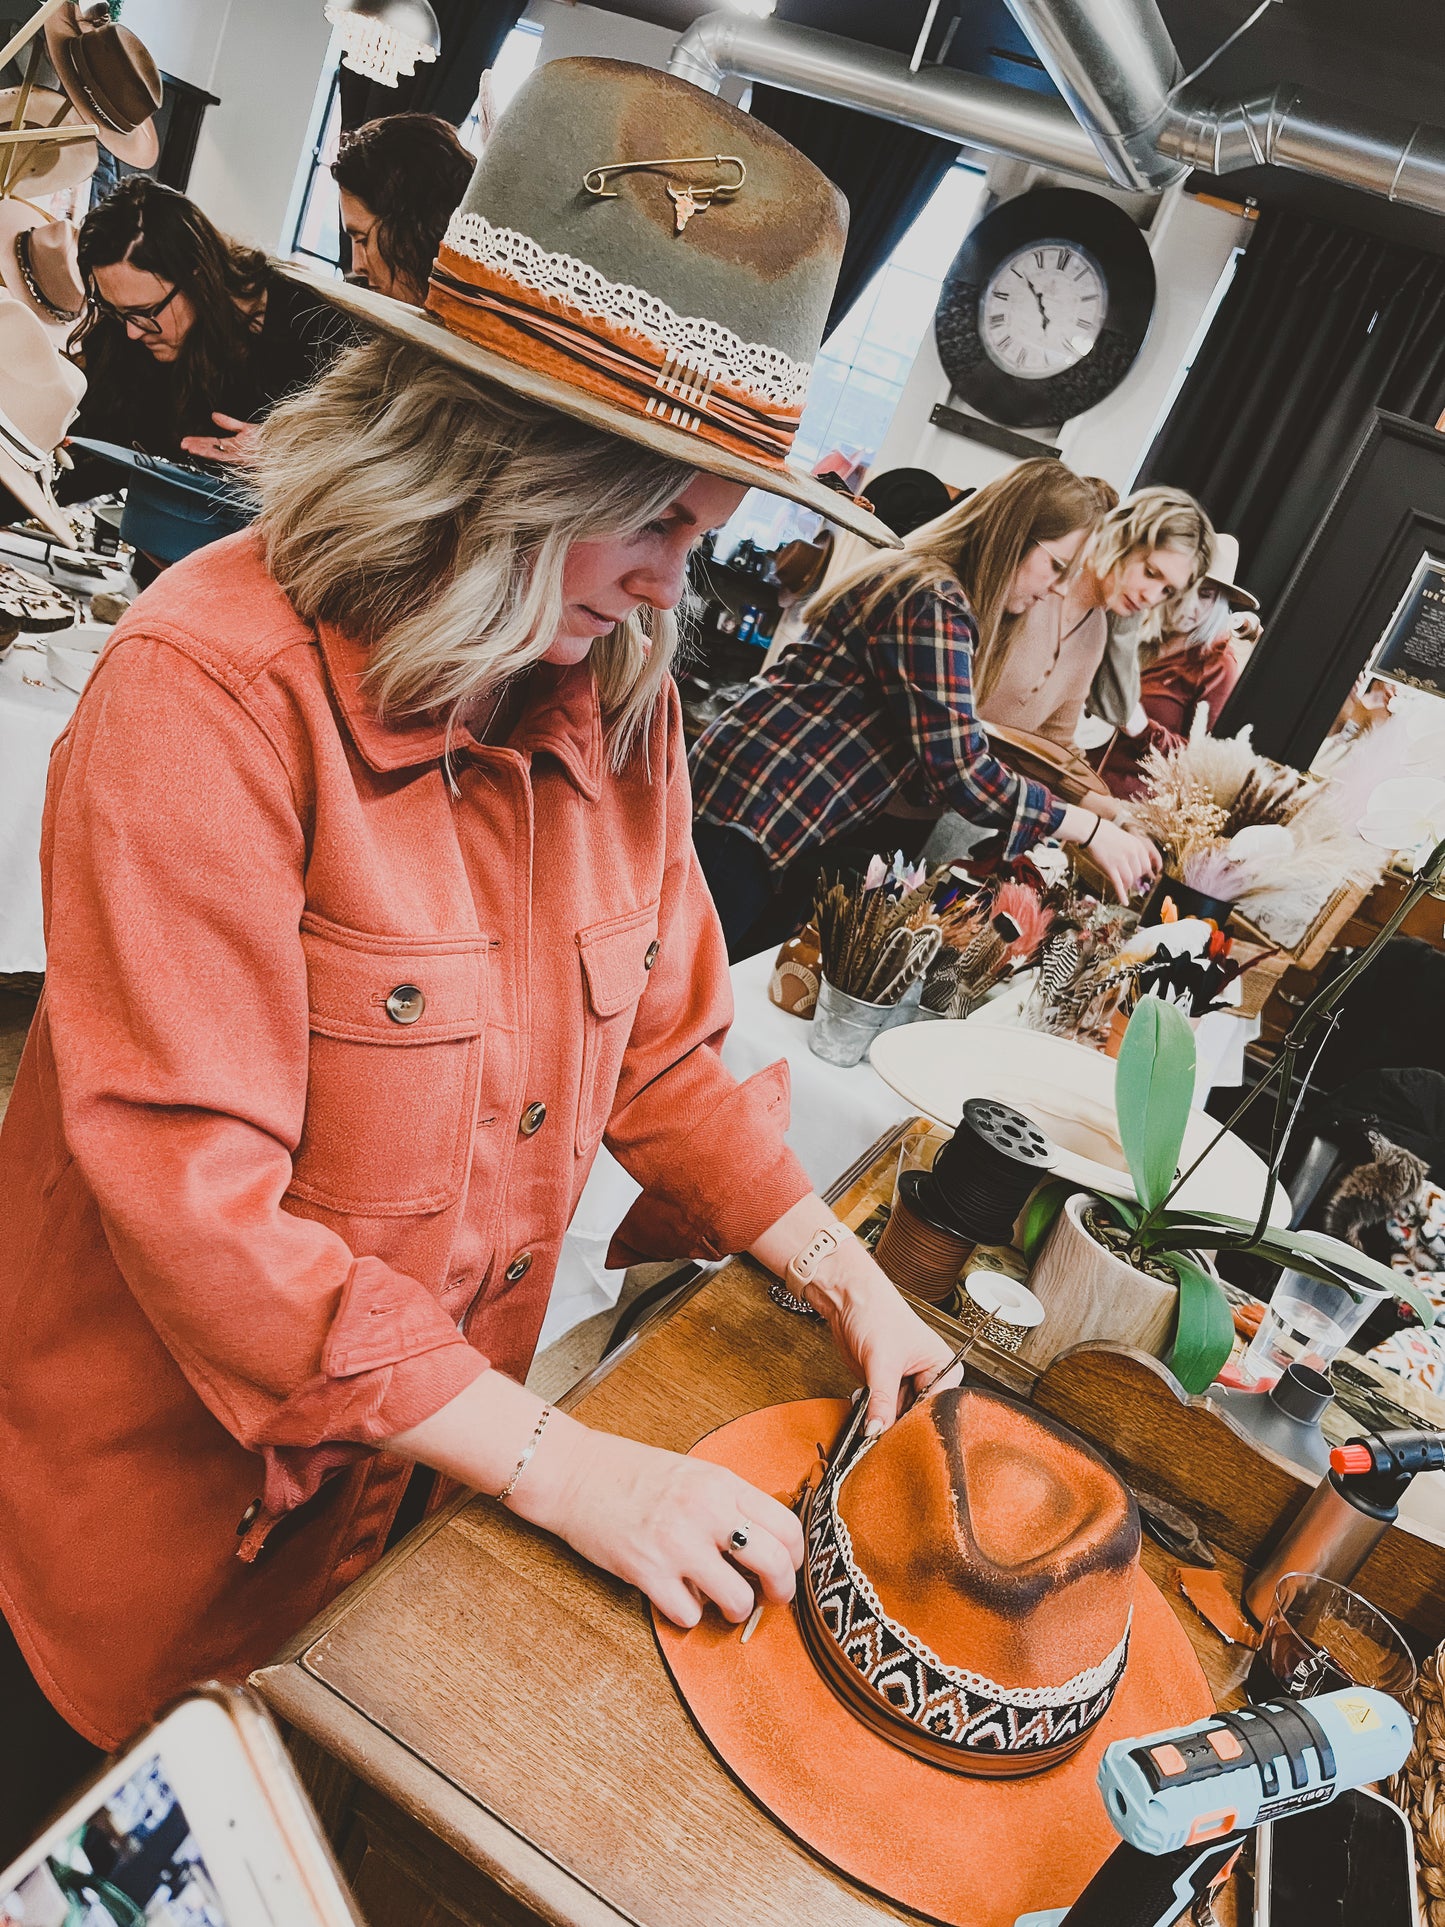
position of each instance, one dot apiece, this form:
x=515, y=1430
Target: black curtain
x=1321, y=325
x=472, y=36
x=887, y=173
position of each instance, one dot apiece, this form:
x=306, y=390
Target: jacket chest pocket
x=616, y=957
x=395, y=1062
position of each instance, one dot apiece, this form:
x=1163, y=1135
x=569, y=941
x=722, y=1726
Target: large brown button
x=651, y=958
x=533, y=1118
x=518, y=1268
x=405, y=1004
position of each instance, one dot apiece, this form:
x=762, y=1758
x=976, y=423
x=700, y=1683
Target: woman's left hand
x=885, y=1342
x=237, y=445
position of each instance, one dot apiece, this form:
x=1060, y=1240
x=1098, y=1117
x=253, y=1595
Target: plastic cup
x=1307, y=1322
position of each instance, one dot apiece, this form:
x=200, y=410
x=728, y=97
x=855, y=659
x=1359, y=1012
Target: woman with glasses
x=189, y=339
x=865, y=731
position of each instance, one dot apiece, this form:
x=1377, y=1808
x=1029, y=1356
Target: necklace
x=1060, y=638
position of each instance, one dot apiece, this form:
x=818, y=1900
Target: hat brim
x=33, y=499
x=1236, y=597
x=970, y=1852
x=405, y=323
x=47, y=167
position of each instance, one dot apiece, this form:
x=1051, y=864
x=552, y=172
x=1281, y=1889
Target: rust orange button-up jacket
x=268, y=1199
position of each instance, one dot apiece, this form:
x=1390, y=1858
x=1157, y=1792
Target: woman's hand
x=661, y=1521
x=237, y=446
x=1129, y=862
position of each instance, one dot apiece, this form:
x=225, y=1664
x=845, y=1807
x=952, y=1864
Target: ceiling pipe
x=940, y=100
x=1114, y=63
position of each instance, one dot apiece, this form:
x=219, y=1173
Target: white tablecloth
x=837, y=1114
x=30, y=720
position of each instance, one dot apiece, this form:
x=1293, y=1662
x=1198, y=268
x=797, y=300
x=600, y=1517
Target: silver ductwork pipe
x=1399, y=160
x=939, y=100
x=1114, y=63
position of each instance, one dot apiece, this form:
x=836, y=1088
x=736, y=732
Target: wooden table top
x=512, y=1698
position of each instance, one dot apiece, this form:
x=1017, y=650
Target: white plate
x=70, y=667
x=1068, y=1090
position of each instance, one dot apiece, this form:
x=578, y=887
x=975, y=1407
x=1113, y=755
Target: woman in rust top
x=1193, y=664
x=372, y=910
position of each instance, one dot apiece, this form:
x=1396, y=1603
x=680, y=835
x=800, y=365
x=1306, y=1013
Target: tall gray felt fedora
x=643, y=256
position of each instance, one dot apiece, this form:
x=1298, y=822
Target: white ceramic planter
x=1089, y=1294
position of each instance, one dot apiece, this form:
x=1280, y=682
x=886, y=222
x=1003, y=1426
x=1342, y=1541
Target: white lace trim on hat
x=1083, y=1686
x=704, y=346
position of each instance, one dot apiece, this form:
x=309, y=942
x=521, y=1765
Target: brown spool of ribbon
x=917, y=1250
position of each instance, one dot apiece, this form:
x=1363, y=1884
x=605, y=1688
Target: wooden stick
x=61, y=136
x=32, y=27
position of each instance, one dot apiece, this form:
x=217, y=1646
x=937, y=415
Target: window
x=317, y=235
x=859, y=377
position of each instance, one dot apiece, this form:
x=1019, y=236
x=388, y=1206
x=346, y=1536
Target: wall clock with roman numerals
x=1046, y=307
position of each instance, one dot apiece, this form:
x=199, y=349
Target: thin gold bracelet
x=526, y=1459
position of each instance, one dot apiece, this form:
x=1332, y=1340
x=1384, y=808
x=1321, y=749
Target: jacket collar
x=561, y=717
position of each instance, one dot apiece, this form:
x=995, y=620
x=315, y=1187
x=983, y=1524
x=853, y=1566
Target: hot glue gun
x=1183, y=1801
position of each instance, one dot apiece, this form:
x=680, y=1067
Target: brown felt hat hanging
x=110, y=79
x=972, y=1629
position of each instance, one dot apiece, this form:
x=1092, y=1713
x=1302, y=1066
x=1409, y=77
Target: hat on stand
x=971, y=1629
x=1223, y=567
x=42, y=168
x=38, y=266
x=639, y=254
x=109, y=78
x=40, y=392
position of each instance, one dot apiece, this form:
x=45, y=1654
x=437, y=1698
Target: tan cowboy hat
x=46, y=167
x=1223, y=567
x=970, y=1632
x=40, y=392
x=38, y=267
x=1058, y=766
x=109, y=78
x=639, y=254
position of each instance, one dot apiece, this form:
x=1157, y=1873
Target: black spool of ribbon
x=982, y=1176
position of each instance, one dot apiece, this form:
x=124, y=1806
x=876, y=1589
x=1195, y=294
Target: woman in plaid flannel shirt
x=870, y=719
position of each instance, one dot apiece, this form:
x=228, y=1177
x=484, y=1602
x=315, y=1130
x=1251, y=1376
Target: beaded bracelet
x=526, y=1459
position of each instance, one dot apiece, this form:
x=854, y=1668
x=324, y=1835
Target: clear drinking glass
x=1320, y=1636
x=1305, y=1323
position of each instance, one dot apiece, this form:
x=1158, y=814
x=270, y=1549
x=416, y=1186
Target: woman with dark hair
x=400, y=180
x=187, y=332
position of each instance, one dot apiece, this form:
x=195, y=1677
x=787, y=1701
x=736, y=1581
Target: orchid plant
x=1153, y=1091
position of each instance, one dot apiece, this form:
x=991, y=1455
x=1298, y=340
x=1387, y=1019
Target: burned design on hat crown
x=969, y=1584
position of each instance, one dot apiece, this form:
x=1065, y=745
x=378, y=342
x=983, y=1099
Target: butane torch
x=1183, y=1801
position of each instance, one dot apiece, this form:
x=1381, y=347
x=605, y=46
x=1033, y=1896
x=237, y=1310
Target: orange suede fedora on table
x=972, y=1628
x=643, y=256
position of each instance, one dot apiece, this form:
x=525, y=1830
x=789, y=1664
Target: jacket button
x=651, y=958
x=533, y=1118
x=518, y=1268
x=248, y=1518
x=405, y=1004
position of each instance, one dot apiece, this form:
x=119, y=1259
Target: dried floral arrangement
x=876, y=938
x=988, y=934
x=1239, y=828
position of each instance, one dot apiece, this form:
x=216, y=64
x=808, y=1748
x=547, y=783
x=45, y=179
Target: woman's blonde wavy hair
x=1152, y=518
x=980, y=543
x=429, y=514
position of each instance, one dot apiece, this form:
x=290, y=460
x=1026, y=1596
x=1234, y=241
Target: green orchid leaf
x=1204, y=1332
x=1153, y=1090
x=1125, y=1212
x=1315, y=1253
x=1041, y=1213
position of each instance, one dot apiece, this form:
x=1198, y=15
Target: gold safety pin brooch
x=687, y=199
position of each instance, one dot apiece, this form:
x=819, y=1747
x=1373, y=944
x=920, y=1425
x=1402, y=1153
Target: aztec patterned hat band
x=947, y=1715
x=603, y=245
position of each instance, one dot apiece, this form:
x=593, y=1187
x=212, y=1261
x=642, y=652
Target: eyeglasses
x=1062, y=565
x=147, y=320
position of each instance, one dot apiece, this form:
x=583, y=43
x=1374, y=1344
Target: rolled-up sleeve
x=176, y=993
x=708, y=1151
x=922, y=654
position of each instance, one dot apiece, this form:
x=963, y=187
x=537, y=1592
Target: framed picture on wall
x=1412, y=648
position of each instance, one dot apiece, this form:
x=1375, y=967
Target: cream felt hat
x=38, y=267
x=45, y=167
x=40, y=392
x=643, y=256
x=1223, y=567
